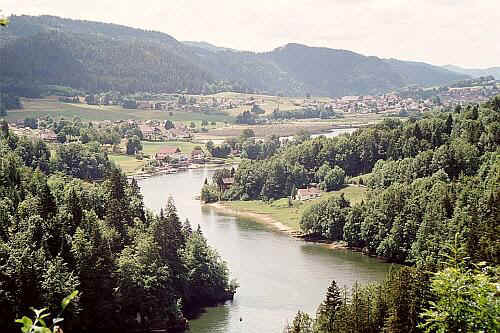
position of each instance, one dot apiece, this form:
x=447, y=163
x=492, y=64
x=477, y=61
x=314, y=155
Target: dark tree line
x=323, y=113
x=246, y=117
x=9, y=102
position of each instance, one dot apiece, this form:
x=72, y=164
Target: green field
x=186, y=147
x=290, y=216
x=43, y=107
x=129, y=164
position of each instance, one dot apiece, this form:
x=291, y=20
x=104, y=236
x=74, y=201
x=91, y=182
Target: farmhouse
x=226, y=183
x=308, y=193
x=48, y=136
x=167, y=152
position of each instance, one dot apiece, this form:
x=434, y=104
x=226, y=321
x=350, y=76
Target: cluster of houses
x=152, y=131
x=465, y=95
x=174, y=154
x=387, y=103
x=46, y=135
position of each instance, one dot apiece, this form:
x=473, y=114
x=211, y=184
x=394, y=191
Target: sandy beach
x=268, y=220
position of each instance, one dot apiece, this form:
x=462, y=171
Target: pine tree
x=327, y=311
x=449, y=123
x=4, y=129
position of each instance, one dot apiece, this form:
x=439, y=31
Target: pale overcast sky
x=460, y=32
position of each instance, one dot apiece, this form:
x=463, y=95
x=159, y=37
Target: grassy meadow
x=50, y=107
x=290, y=216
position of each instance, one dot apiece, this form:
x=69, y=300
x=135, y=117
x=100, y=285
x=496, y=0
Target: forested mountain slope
x=127, y=59
x=476, y=72
x=60, y=231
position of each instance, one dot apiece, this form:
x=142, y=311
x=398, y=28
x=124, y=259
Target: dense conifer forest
x=93, y=56
x=433, y=206
x=62, y=231
x=429, y=178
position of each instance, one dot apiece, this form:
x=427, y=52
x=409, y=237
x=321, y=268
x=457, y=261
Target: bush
x=209, y=194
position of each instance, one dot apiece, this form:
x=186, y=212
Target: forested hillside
x=475, y=72
x=433, y=205
x=61, y=232
x=94, y=63
x=430, y=179
x=97, y=56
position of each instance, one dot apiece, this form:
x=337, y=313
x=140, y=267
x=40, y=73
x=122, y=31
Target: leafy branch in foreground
x=4, y=21
x=38, y=325
x=465, y=299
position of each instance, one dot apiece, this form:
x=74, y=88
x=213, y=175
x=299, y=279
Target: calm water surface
x=278, y=275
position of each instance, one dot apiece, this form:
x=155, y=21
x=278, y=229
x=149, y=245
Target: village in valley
x=170, y=145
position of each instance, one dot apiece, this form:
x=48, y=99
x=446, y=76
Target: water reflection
x=278, y=275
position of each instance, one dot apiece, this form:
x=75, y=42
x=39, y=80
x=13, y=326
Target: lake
x=278, y=275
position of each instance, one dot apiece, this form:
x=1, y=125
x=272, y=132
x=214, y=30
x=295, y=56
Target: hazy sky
x=460, y=32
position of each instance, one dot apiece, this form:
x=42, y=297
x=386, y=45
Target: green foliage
x=326, y=218
x=302, y=323
x=246, y=117
x=31, y=123
x=134, y=145
x=38, y=325
x=430, y=179
x=392, y=305
x=307, y=113
x=465, y=301
x=333, y=179
x=10, y=102
x=207, y=274
x=221, y=151
x=81, y=161
x=258, y=149
x=59, y=233
x=209, y=193
x=169, y=124
x=327, y=311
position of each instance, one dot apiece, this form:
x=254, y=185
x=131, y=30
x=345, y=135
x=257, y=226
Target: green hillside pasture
x=48, y=107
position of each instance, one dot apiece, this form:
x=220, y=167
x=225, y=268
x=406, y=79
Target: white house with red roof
x=308, y=193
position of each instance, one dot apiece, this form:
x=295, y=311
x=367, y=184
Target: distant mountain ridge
x=98, y=56
x=207, y=46
x=475, y=72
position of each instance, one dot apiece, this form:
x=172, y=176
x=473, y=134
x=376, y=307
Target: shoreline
x=193, y=166
x=276, y=225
